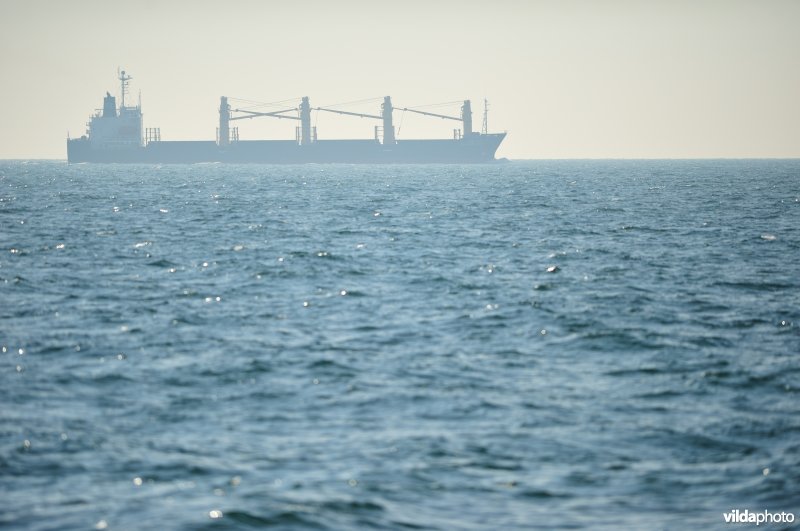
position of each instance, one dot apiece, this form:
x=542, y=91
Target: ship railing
x=233, y=135
x=298, y=134
x=152, y=134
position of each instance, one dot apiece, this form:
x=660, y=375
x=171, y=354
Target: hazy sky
x=566, y=79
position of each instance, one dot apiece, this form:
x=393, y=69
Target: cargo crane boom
x=443, y=116
x=386, y=116
x=360, y=115
x=254, y=114
x=465, y=118
x=304, y=132
x=307, y=134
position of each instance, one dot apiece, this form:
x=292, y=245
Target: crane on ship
x=306, y=134
x=386, y=116
x=465, y=118
x=387, y=131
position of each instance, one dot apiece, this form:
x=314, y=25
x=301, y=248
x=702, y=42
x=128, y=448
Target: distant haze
x=566, y=79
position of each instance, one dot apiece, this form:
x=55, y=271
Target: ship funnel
x=109, y=106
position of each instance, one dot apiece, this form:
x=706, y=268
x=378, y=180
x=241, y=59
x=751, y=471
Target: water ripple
x=575, y=344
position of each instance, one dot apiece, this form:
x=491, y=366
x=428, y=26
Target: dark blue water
x=532, y=345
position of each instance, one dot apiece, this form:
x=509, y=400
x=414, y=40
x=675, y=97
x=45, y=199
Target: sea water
x=529, y=345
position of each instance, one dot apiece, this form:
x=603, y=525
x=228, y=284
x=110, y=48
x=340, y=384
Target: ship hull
x=474, y=148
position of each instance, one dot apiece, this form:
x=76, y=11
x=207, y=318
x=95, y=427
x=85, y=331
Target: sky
x=566, y=79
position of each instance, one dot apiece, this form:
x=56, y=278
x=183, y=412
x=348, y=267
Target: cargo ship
x=115, y=134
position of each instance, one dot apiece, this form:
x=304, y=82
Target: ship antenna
x=485, y=128
x=123, y=79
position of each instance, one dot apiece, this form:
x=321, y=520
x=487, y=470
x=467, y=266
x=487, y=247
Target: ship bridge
x=116, y=128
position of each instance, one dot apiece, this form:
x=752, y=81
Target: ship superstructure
x=116, y=134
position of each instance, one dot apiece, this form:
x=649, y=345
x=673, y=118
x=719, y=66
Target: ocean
x=529, y=345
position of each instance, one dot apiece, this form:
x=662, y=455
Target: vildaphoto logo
x=735, y=516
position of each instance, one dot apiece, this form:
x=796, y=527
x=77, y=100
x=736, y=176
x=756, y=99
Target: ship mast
x=123, y=80
x=466, y=117
x=388, y=127
x=485, y=128
x=224, y=131
x=305, y=121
